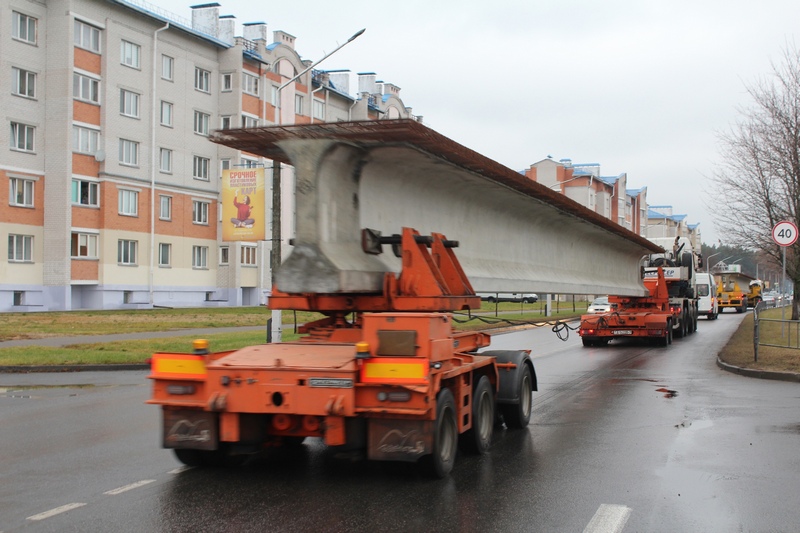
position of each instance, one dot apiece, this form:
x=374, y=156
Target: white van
x=706, y=288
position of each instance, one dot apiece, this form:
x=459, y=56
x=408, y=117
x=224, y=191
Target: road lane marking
x=57, y=510
x=126, y=488
x=608, y=519
x=178, y=470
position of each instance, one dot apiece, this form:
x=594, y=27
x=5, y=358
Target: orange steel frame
x=430, y=284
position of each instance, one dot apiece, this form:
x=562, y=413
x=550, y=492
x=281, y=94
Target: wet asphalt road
x=651, y=439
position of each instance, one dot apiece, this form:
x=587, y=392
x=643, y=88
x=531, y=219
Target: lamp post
x=708, y=261
x=275, y=259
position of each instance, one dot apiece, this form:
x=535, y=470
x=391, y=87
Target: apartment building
x=109, y=185
x=608, y=196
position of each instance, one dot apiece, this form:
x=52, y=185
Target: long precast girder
x=515, y=235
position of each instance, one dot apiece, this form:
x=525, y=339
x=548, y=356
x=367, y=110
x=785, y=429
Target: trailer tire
x=478, y=439
x=445, y=436
x=518, y=415
x=587, y=342
x=189, y=457
x=666, y=340
x=681, y=331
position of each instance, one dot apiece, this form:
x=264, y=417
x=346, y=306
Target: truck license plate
x=623, y=332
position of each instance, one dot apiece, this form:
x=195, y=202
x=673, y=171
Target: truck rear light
x=587, y=332
x=311, y=423
x=180, y=389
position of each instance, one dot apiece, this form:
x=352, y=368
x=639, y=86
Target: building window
x=224, y=255
x=298, y=104
x=201, y=78
x=166, y=113
x=165, y=211
x=87, y=37
x=84, y=245
x=250, y=84
x=200, y=168
x=248, y=163
x=22, y=137
x=126, y=252
x=164, y=254
x=248, y=255
x=23, y=27
x=85, y=140
x=20, y=192
x=249, y=122
x=128, y=152
x=129, y=103
x=199, y=256
x=167, y=68
x=23, y=83
x=224, y=164
x=225, y=122
x=201, y=122
x=200, y=212
x=20, y=248
x=165, y=160
x=85, y=193
x=128, y=202
x=319, y=109
x=85, y=88
x=274, y=96
x=130, y=54
x=227, y=82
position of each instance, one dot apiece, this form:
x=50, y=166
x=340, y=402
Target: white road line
x=129, y=487
x=178, y=470
x=608, y=519
x=57, y=510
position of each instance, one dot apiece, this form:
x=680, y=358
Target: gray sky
x=639, y=87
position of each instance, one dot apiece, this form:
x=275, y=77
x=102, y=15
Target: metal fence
x=764, y=334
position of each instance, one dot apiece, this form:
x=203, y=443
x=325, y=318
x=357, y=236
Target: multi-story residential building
x=608, y=196
x=109, y=185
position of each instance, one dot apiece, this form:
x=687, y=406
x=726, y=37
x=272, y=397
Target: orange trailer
x=384, y=373
x=650, y=317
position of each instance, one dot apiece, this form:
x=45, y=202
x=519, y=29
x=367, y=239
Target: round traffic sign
x=784, y=233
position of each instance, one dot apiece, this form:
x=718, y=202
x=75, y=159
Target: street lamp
x=275, y=260
x=708, y=261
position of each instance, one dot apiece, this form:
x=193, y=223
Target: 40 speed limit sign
x=784, y=233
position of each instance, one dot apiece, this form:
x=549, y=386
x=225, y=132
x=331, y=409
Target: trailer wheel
x=517, y=415
x=445, y=437
x=666, y=340
x=479, y=438
x=587, y=341
x=189, y=457
x=681, y=331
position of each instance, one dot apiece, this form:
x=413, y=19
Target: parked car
x=770, y=299
x=528, y=298
x=600, y=305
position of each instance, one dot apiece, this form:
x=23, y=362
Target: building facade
x=110, y=186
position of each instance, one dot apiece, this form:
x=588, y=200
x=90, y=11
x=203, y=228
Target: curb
x=25, y=369
x=761, y=374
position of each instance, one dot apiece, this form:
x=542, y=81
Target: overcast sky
x=640, y=87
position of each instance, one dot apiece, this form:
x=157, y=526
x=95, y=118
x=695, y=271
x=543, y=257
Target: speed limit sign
x=784, y=233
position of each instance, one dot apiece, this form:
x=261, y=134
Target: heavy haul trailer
x=384, y=371
x=671, y=309
x=394, y=380
x=650, y=317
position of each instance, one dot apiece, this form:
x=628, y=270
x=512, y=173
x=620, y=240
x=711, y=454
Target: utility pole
x=275, y=254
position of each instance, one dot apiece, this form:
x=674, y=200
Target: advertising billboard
x=243, y=209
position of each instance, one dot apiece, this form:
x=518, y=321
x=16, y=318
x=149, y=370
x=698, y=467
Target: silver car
x=600, y=305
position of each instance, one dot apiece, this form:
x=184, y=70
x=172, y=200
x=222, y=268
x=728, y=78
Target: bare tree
x=758, y=183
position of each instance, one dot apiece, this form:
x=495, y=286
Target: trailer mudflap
x=190, y=429
x=399, y=440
